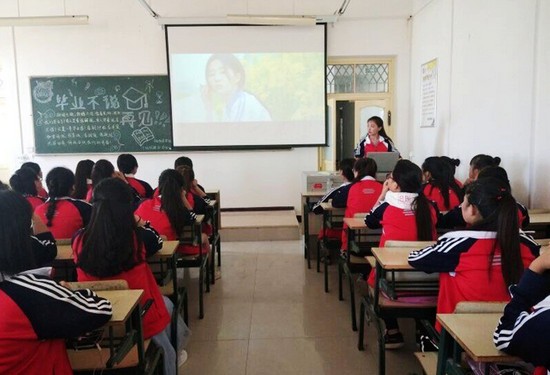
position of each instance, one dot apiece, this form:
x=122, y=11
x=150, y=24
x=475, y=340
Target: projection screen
x=236, y=86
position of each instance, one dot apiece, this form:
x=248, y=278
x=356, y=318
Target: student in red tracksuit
x=479, y=162
x=104, y=169
x=170, y=210
x=376, y=139
x=114, y=245
x=41, y=192
x=83, y=179
x=62, y=214
x=26, y=182
x=441, y=187
x=198, y=200
x=128, y=165
x=405, y=214
x=480, y=263
x=37, y=314
x=363, y=193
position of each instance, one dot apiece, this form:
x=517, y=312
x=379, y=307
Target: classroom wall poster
x=428, y=94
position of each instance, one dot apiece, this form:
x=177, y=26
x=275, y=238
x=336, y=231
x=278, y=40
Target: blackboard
x=101, y=114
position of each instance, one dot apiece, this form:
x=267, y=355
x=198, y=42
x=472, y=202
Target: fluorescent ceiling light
x=44, y=21
x=271, y=20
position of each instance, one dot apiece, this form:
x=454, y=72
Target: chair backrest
x=99, y=285
x=63, y=241
x=479, y=307
x=543, y=241
x=539, y=211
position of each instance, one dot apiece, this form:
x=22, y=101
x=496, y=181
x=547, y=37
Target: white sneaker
x=182, y=357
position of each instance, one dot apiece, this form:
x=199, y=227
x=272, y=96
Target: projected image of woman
x=224, y=96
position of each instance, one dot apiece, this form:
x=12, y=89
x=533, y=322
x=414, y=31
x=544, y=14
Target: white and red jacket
x=366, y=146
x=397, y=218
x=466, y=270
x=37, y=316
x=434, y=194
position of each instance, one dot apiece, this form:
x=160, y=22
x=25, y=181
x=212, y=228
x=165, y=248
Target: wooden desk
x=215, y=197
x=355, y=223
x=393, y=258
x=123, y=301
x=126, y=319
x=474, y=334
x=540, y=218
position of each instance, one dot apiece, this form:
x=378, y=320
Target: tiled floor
x=268, y=314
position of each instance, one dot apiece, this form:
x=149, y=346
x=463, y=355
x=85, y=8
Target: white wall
x=488, y=98
x=122, y=38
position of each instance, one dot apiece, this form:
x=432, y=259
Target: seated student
x=339, y=194
x=41, y=192
x=479, y=264
x=102, y=170
x=83, y=179
x=114, y=245
x=198, y=201
x=186, y=162
x=453, y=219
x=128, y=165
x=37, y=313
x=524, y=329
x=363, y=193
x=62, y=214
x=479, y=162
x=405, y=214
x=26, y=182
x=44, y=247
x=170, y=211
x=441, y=187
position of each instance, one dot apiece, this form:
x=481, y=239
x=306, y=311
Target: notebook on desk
x=385, y=161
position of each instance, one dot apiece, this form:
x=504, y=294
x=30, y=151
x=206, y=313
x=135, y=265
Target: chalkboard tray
x=101, y=114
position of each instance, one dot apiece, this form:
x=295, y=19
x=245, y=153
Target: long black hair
x=171, y=185
x=110, y=242
x=409, y=178
x=442, y=178
x=380, y=124
x=60, y=182
x=452, y=162
x=364, y=167
x=16, y=253
x=499, y=212
x=82, y=174
x=346, y=168
x=102, y=169
x=24, y=180
x=481, y=161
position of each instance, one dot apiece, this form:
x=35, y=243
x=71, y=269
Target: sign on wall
x=428, y=94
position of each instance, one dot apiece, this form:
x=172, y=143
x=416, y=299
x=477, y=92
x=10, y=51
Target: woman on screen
x=376, y=140
x=224, y=97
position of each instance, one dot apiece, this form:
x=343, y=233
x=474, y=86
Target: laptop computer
x=385, y=161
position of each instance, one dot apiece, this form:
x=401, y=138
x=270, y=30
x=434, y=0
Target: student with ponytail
x=26, y=182
x=83, y=179
x=479, y=264
x=479, y=162
x=169, y=211
x=114, y=245
x=363, y=193
x=62, y=214
x=441, y=187
x=404, y=214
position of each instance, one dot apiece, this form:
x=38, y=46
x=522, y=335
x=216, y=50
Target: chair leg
x=362, y=312
x=207, y=278
x=318, y=255
x=340, y=288
x=308, y=255
x=219, y=250
x=185, y=308
x=381, y=348
x=325, y=265
x=213, y=264
x=352, y=302
x=201, y=297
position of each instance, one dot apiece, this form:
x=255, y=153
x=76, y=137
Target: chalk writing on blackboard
x=101, y=114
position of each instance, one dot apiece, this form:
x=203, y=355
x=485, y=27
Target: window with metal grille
x=357, y=78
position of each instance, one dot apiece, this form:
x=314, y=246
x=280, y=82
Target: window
x=357, y=78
